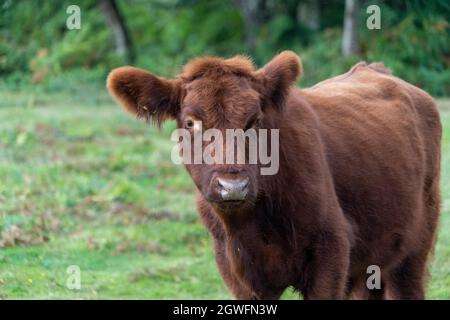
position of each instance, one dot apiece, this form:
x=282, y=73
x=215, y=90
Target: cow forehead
x=232, y=95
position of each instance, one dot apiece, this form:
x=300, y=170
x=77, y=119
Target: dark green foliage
x=415, y=43
x=37, y=48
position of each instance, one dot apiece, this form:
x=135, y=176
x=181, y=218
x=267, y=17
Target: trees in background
x=255, y=13
x=122, y=40
x=350, y=34
x=309, y=14
x=35, y=43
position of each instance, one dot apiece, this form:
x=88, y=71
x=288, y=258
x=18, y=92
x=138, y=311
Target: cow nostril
x=232, y=183
x=232, y=189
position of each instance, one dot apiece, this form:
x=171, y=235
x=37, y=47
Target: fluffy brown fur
x=358, y=183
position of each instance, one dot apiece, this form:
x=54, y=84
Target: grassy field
x=82, y=183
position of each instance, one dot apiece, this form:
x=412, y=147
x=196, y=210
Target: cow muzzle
x=231, y=189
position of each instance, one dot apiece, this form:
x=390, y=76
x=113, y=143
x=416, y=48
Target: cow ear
x=144, y=94
x=277, y=76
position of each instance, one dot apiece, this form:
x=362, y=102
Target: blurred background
x=82, y=183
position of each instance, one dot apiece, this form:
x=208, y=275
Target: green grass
x=81, y=183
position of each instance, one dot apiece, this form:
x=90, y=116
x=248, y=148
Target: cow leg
x=377, y=294
x=409, y=278
x=361, y=292
x=238, y=290
x=328, y=268
x=356, y=289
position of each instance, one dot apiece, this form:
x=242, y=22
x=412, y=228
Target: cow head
x=218, y=93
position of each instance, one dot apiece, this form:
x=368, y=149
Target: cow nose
x=232, y=189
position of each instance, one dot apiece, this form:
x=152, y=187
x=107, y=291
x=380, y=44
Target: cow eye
x=189, y=124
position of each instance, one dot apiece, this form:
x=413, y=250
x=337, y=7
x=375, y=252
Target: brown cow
x=358, y=183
